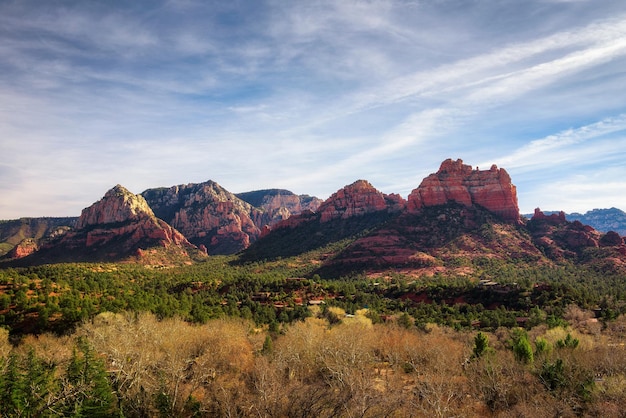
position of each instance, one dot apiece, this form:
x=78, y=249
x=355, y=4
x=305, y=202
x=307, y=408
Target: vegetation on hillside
x=492, y=327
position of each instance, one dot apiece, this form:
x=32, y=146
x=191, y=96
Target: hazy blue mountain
x=603, y=220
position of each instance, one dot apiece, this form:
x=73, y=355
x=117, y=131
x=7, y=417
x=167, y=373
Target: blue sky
x=309, y=96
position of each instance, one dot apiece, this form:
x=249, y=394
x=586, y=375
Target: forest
x=226, y=337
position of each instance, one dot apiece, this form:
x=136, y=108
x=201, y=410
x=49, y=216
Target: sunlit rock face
x=357, y=199
x=208, y=215
x=277, y=205
x=23, y=249
x=457, y=182
x=121, y=224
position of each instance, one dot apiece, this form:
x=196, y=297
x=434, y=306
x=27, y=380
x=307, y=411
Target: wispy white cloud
x=302, y=95
x=545, y=151
x=602, y=188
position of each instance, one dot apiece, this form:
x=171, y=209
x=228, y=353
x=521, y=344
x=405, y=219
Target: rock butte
x=357, y=199
x=458, y=182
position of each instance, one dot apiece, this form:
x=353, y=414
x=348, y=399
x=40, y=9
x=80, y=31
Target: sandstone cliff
x=457, y=182
x=119, y=226
x=356, y=199
x=208, y=215
x=23, y=249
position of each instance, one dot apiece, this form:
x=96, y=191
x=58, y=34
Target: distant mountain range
x=604, y=220
x=456, y=215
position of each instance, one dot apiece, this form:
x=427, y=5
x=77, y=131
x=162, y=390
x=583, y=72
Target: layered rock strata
x=208, y=215
x=119, y=225
x=358, y=198
x=457, y=182
x=278, y=204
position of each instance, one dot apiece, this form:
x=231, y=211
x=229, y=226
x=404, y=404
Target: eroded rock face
x=555, y=218
x=23, y=249
x=118, y=226
x=559, y=237
x=13, y=232
x=458, y=182
x=208, y=215
x=117, y=205
x=357, y=199
x=277, y=205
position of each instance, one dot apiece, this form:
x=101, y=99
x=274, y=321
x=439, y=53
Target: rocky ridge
x=603, y=220
x=27, y=233
x=208, y=215
x=278, y=204
x=457, y=213
x=119, y=226
x=458, y=182
x=562, y=239
x=357, y=199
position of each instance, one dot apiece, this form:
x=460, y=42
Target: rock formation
x=358, y=199
x=277, y=204
x=561, y=238
x=457, y=182
x=208, y=215
x=117, y=206
x=118, y=226
x=13, y=232
x=23, y=249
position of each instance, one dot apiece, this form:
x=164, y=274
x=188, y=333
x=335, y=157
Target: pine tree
x=522, y=349
x=481, y=345
x=87, y=378
x=39, y=384
x=12, y=389
x=268, y=345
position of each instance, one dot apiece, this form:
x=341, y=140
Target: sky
x=309, y=96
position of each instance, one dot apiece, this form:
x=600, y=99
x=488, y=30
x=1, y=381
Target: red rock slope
x=118, y=226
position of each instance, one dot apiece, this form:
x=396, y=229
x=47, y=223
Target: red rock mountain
x=559, y=238
x=23, y=249
x=208, y=215
x=24, y=235
x=118, y=226
x=358, y=198
x=458, y=182
x=457, y=213
x=277, y=204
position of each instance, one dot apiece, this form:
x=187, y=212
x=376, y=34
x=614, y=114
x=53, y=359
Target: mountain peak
x=117, y=205
x=458, y=182
x=207, y=214
x=355, y=199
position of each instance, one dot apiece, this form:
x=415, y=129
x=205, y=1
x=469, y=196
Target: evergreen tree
x=39, y=384
x=12, y=389
x=87, y=377
x=481, y=345
x=268, y=345
x=522, y=349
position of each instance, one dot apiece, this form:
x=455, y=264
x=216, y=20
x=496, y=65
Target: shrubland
x=271, y=338
x=134, y=364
